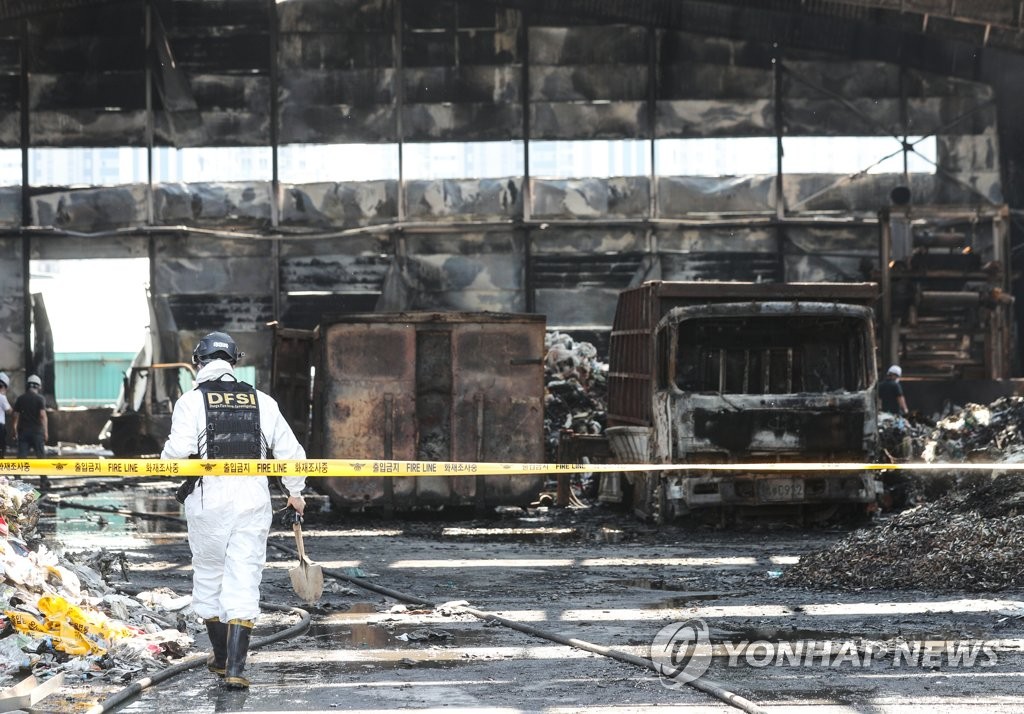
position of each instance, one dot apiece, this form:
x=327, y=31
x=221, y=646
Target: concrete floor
x=594, y=575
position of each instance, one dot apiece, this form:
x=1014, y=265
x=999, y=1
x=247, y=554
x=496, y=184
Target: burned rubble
x=969, y=538
x=575, y=382
x=64, y=614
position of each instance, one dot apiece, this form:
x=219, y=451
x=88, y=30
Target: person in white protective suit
x=229, y=517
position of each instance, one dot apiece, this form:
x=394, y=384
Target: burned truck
x=734, y=373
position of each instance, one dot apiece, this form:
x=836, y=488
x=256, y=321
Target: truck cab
x=733, y=373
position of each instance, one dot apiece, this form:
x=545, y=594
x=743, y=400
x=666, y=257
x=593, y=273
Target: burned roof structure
x=145, y=75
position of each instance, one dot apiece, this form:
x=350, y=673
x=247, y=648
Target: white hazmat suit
x=229, y=517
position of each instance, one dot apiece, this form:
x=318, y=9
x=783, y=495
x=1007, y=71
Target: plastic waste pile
x=575, y=389
x=979, y=432
x=60, y=615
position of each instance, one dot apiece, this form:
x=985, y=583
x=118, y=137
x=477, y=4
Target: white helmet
x=5, y=379
x=895, y=369
x=34, y=380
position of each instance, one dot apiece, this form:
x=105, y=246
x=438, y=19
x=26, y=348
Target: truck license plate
x=782, y=490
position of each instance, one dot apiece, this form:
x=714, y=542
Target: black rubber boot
x=218, y=632
x=237, y=648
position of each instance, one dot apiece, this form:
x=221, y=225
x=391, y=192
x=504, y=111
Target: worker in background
x=29, y=424
x=5, y=410
x=229, y=517
x=28, y=420
x=890, y=392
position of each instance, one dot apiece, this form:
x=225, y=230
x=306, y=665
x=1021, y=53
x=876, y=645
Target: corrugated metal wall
x=90, y=378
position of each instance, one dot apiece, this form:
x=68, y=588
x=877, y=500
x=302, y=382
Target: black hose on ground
x=139, y=686
x=704, y=685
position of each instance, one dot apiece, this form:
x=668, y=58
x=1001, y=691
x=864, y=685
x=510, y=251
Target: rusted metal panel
x=90, y=210
x=340, y=205
x=498, y=405
x=219, y=204
x=432, y=387
x=627, y=197
x=367, y=404
x=476, y=199
x=679, y=196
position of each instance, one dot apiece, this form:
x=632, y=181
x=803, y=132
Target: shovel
x=307, y=579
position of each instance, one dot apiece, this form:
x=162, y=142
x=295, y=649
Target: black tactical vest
x=232, y=420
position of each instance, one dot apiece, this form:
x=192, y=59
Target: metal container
x=466, y=387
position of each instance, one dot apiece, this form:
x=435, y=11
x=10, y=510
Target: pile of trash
x=979, y=433
x=575, y=392
x=61, y=614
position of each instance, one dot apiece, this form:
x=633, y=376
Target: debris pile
x=979, y=433
x=62, y=616
x=970, y=539
x=575, y=390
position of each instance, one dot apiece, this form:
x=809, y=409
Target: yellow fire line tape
x=77, y=468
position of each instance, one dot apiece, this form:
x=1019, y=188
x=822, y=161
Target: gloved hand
x=298, y=503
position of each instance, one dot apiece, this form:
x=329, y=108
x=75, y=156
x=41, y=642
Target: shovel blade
x=308, y=581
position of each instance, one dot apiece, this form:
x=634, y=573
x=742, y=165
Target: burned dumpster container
x=466, y=387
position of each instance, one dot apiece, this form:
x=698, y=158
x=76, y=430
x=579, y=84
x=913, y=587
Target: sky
x=94, y=305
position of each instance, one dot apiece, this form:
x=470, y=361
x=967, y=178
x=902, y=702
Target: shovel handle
x=297, y=530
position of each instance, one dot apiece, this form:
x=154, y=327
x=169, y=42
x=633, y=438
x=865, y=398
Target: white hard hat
x=33, y=379
x=5, y=379
x=895, y=369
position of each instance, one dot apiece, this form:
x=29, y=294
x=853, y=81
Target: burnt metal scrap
x=970, y=539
